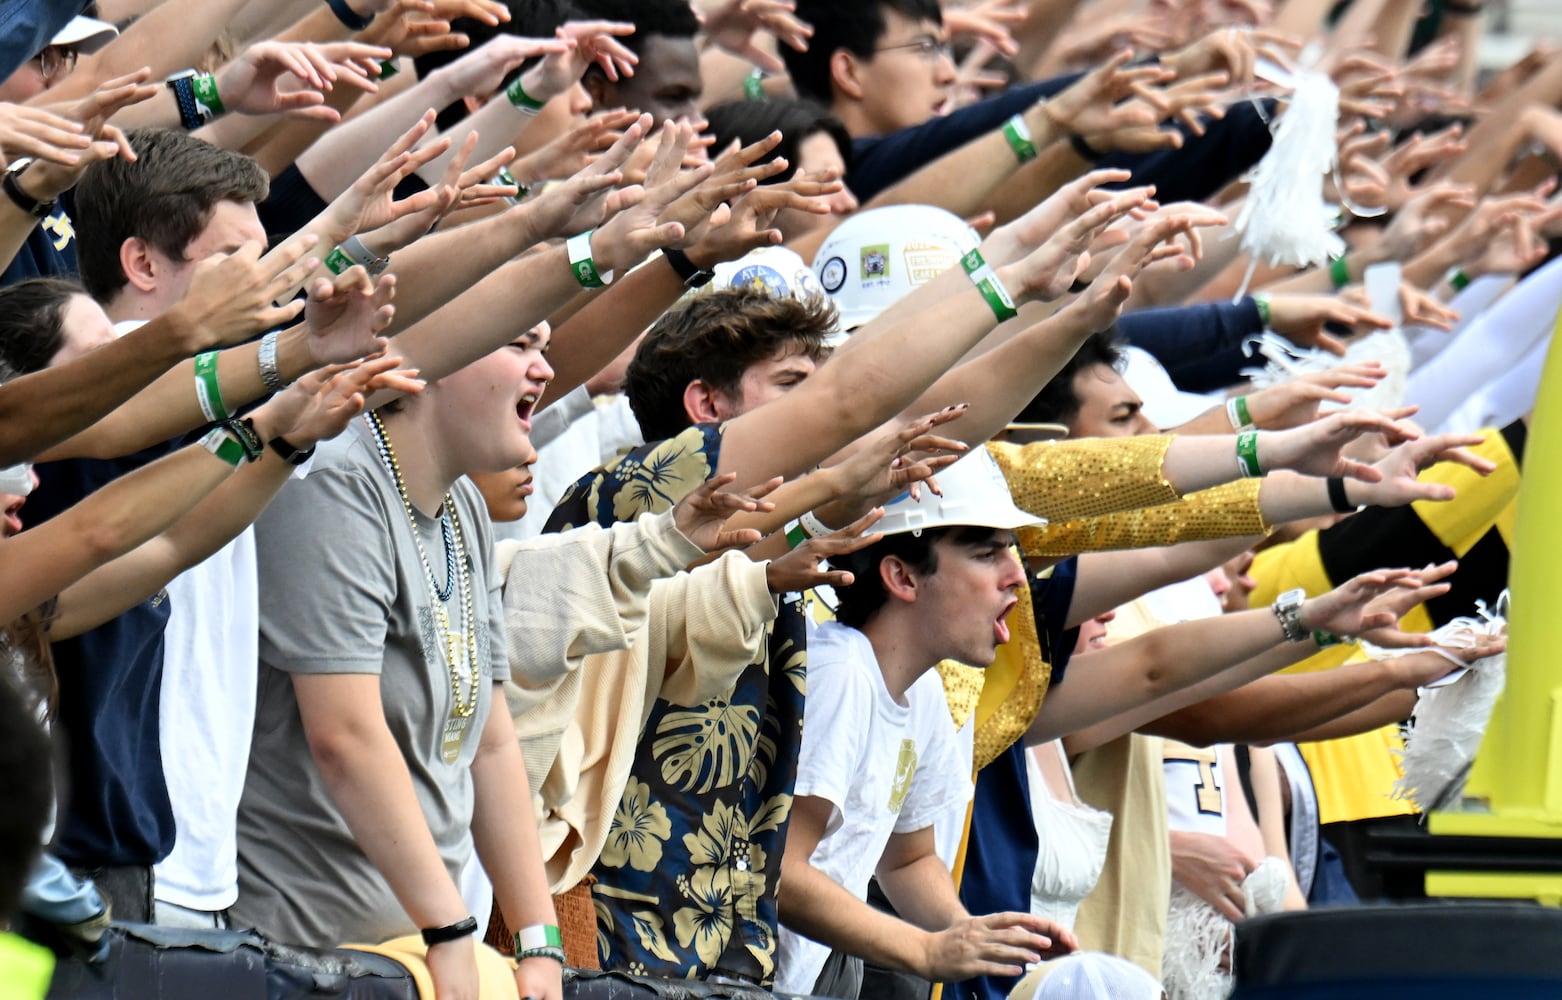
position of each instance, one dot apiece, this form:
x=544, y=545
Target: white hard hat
x=777, y=270
x=975, y=493
x=877, y=257
x=1093, y=975
x=85, y=34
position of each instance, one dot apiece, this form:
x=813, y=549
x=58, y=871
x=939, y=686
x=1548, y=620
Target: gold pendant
x=455, y=736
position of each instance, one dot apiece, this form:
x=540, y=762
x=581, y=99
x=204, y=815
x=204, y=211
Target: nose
x=843, y=202
x=540, y=370
x=947, y=73
x=1012, y=574
x=579, y=100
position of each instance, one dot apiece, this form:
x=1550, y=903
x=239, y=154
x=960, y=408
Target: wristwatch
x=1288, y=609
x=693, y=276
x=288, y=453
x=21, y=199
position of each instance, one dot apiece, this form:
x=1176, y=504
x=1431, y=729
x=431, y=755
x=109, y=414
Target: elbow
x=338, y=751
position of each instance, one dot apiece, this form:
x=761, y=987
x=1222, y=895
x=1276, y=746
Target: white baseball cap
x=975, y=493
x=85, y=34
x=1093, y=975
x=876, y=258
x=776, y=270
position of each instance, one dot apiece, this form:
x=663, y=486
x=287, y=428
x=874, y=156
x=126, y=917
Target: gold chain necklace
x=454, y=647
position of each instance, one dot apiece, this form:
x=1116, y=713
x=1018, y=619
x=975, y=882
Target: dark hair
x=165, y=196
x=866, y=596
x=26, y=787
x=668, y=18
x=1057, y=402
x=528, y=19
x=32, y=322
x=750, y=121
x=714, y=338
x=854, y=25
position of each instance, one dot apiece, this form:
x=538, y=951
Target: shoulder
x=649, y=479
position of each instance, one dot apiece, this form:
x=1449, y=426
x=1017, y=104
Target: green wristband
x=1237, y=413
x=754, y=86
x=338, y=261
x=583, y=264
x=224, y=445
x=795, y=536
x=205, y=87
x=1458, y=280
x=524, y=102
x=1018, y=133
x=538, y=936
x=1326, y=639
x=388, y=69
x=1339, y=272
x=1261, y=300
x=208, y=390
x=986, y=281
x=1247, y=455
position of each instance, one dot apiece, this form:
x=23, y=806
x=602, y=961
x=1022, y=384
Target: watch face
x=1292, y=598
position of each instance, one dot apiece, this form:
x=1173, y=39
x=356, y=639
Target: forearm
x=922, y=891
x=114, y=588
x=817, y=907
x=964, y=180
x=1109, y=580
x=1491, y=143
x=284, y=139
x=1044, y=22
x=175, y=35
x=610, y=322
x=1394, y=707
x=40, y=410
x=1036, y=181
x=504, y=829
x=343, y=153
x=1303, y=18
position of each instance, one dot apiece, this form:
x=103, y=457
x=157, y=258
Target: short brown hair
x=714, y=338
x=165, y=196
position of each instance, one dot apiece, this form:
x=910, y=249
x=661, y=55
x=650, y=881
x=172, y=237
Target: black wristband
x=1083, y=148
x=692, y=276
x=1337, y=498
x=288, y=453
x=450, y=932
x=183, y=86
x=349, y=17
x=243, y=431
x=21, y=199
x=1463, y=9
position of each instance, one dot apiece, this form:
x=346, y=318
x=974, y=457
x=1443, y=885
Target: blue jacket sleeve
x=26, y=27
x=1200, y=346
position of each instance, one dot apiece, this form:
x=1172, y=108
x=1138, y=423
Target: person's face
x=815, y=155
x=486, y=408
x=86, y=326
x=38, y=74
x=1092, y=634
x=907, y=79
x=505, y=493
x=666, y=85
x=11, y=509
x=232, y=225
x=966, y=600
x=1108, y=407
x=765, y=381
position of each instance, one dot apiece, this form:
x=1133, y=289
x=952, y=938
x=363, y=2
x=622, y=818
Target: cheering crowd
x=534, y=498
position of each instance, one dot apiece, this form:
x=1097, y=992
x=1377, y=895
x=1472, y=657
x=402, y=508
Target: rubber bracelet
x=557, y=954
x=1261, y=301
x=754, y=86
x=795, y=536
x=270, y=376
x=1326, y=639
x=349, y=17
x=582, y=263
x=1338, y=499
x=207, y=101
x=224, y=445
x=337, y=261
x=1339, y=272
x=450, y=932
x=1083, y=148
x=525, y=103
x=1458, y=280
x=388, y=69
x=208, y=391
x=1247, y=455
x=538, y=936
x=1236, y=412
x=1019, y=136
x=190, y=117
x=243, y=430
x=986, y=281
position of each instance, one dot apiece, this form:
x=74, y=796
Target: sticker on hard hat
x=760, y=278
x=926, y=260
x=875, y=263
x=833, y=275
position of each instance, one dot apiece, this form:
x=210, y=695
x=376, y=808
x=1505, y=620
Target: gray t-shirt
x=342, y=592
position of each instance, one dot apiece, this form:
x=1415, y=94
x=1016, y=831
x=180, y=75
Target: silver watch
x=1288, y=609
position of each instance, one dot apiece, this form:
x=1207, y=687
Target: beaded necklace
x=460, y=648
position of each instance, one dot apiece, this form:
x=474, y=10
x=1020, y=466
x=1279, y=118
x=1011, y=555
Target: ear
x=899, y=579
x=700, y=402
x=843, y=73
x=135, y=259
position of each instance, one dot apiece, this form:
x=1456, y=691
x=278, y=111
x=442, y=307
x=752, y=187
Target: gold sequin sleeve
x=1059, y=480
x=1226, y=511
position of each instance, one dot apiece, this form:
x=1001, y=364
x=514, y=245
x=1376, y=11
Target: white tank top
x=1073, y=841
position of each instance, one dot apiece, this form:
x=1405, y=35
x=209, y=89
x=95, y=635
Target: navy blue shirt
x=116, y=809
x=1200, y=346
x=50, y=249
x=1001, y=848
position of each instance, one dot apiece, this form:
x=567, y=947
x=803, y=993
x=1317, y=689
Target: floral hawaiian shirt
x=686, y=886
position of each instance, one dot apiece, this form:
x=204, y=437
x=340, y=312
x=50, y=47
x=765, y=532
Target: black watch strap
x=450, y=932
x=21, y=199
x=288, y=453
x=350, y=18
x=692, y=276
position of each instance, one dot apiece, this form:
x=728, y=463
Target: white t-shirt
x=885, y=766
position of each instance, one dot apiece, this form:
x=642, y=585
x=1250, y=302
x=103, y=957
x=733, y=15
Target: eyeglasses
x=56, y=62
x=929, y=48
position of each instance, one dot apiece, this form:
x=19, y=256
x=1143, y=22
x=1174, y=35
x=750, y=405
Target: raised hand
x=45, y=179
x=585, y=44
x=702, y=515
x=1352, y=608
x=1050, y=270
x=38, y=133
x=253, y=83
x=1422, y=219
x=574, y=149
x=231, y=296
x=999, y=944
x=732, y=24
x=751, y=222
x=586, y=198
x=370, y=202
x=893, y=459
x=1296, y=401
x=321, y=404
x=1304, y=319
x=1397, y=603
x=1017, y=239
x=988, y=21
x=1399, y=469
x=1096, y=102
x=458, y=188
x=635, y=232
x=799, y=569
x=1420, y=152
x=1317, y=449
x=1100, y=304
x=481, y=72
x=733, y=174
x=346, y=316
